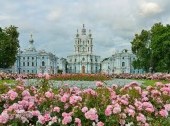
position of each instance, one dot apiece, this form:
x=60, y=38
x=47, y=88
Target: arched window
x=123, y=64
x=75, y=60
x=43, y=63
x=83, y=59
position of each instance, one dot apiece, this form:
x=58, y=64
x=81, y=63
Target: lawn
x=7, y=81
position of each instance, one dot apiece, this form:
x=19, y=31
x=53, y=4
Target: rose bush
x=103, y=106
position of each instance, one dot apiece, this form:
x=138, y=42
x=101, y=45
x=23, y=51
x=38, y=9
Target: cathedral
x=31, y=61
x=83, y=60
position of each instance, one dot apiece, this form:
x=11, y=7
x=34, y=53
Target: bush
x=44, y=105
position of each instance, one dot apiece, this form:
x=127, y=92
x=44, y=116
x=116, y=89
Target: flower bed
x=81, y=77
x=43, y=105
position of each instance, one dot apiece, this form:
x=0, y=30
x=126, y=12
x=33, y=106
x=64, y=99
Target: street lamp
x=19, y=62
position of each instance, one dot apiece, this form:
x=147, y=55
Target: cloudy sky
x=53, y=23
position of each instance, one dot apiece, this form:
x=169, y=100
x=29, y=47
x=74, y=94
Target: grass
x=152, y=82
x=7, y=81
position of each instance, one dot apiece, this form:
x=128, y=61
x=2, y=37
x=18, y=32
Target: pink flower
x=138, y=105
x=137, y=88
x=167, y=107
x=90, y=91
x=122, y=122
x=130, y=112
x=64, y=98
x=148, y=106
x=91, y=114
x=4, y=117
x=40, y=75
x=35, y=113
x=163, y=113
x=99, y=84
x=117, y=109
x=56, y=109
x=41, y=119
x=25, y=93
x=74, y=99
x=84, y=109
x=125, y=102
x=47, y=76
x=141, y=118
x=150, y=110
x=49, y=94
x=20, y=87
x=66, y=118
x=12, y=94
x=54, y=119
x=108, y=110
x=78, y=121
x=47, y=117
x=100, y=124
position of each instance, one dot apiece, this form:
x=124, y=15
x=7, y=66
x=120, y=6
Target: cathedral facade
x=31, y=61
x=83, y=60
x=120, y=62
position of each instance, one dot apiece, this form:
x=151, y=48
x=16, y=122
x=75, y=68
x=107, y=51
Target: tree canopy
x=9, y=45
x=152, y=49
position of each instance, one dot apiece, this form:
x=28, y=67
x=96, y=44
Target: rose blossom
x=49, y=94
x=4, y=117
x=100, y=124
x=84, y=109
x=78, y=121
x=167, y=107
x=66, y=118
x=56, y=109
x=141, y=118
x=163, y=113
x=12, y=94
x=91, y=114
x=99, y=84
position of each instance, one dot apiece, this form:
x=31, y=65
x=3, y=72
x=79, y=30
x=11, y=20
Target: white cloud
x=54, y=15
x=3, y=17
x=113, y=22
x=149, y=9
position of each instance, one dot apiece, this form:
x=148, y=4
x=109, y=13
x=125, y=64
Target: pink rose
x=99, y=84
x=78, y=121
x=12, y=94
x=163, y=113
x=56, y=109
x=84, y=109
x=49, y=94
x=91, y=114
x=141, y=118
x=100, y=124
x=167, y=107
x=4, y=117
x=66, y=118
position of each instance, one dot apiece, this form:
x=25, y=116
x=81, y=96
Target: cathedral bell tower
x=83, y=42
x=31, y=44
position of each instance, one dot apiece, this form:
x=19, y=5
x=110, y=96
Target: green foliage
x=9, y=45
x=152, y=49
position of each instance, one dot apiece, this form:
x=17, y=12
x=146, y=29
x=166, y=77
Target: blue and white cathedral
x=83, y=60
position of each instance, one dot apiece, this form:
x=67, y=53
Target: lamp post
x=19, y=62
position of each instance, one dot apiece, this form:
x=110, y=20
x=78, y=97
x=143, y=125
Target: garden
x=132, y=104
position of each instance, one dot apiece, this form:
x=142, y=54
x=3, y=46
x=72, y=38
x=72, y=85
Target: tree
x=9, y=46
x=152, y=49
